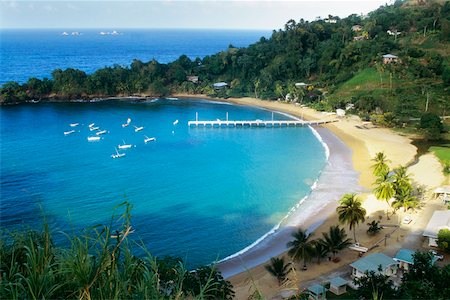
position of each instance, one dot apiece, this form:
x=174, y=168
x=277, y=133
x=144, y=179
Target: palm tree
x=335, y=240
x=380, y=166
x=401, y=180
x=384, y=189
x=278, y=269
x=351, y=212
x=406, y=200
x=319, y=250
x=300, y=247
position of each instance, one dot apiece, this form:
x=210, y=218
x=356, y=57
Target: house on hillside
x=330, y=20
x=357, y=28
x=389, y=58
x=193, y=79
x=439, y=220
x=360, y=37
x=372, y=262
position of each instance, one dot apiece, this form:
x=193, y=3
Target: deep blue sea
x=36, y=53
x=197, y=193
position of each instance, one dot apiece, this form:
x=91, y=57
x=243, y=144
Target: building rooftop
x=390, y=56
x=338, y=281
x=317, y=289
x=439, y=220
x=372, y=262
x=405, y=255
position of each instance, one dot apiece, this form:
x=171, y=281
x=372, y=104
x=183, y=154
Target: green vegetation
x=423, y=281
x=339, y=65
x=442, y=153
x=98, y=264
x=444, y=239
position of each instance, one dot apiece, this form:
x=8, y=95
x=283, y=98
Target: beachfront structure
x=443, y=193
x=330, y=20
x=389, y=58
x=317, y=291
x=338, y=285
x=439, y=220
x=372, y=262
x=220, y=85
x=405, y=259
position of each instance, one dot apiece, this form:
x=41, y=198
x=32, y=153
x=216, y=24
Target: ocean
x=36, y=53
x=197, y=193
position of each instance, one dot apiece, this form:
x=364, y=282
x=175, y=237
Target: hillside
x=339, y=60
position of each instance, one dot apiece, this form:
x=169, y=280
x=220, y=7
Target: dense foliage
x=424, y=280
x=98, y=264
x=341, y=66
x=443, y=240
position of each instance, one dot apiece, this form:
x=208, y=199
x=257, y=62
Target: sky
x=210, y=14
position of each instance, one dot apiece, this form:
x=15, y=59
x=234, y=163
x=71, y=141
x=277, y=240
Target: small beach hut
x=338, y=285
x=439, y=220
x=372, y=262
x=317, y=291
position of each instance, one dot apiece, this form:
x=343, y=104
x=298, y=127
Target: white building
x=439, y=220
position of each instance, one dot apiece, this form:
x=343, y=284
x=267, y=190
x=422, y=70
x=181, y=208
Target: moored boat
x=147, y=139
x=101, y=132
x=93, y=138
x=69, y=132
x=117, y=155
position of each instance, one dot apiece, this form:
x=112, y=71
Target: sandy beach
x=361, y=141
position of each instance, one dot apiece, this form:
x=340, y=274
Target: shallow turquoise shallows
x=198, y=193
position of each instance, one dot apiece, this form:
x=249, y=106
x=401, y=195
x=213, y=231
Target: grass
x=367, y=79
x=442, y=152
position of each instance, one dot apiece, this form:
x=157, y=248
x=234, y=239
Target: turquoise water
x=197, y=193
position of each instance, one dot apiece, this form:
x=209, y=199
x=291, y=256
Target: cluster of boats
x=123, y=146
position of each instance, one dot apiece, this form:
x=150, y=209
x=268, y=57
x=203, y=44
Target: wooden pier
x=255, y=123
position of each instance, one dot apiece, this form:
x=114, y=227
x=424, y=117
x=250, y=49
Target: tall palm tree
x=381, y=164
x=335, y=240
x=401, y=180
x=384, y=189
x=278, y=269
x=301, y=247
x=351, y=212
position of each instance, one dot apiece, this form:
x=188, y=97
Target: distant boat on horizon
x=64, y=33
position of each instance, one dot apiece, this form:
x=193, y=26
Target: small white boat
x=93, y=138
x=64, y=33
x=117, y=155
x=69, y=132
x=138, y=128
x=124, y=146
x=91, y=125
x=74, y=124
x=175, y=122
x=127, y=123
x=147, y=139
x=93, y=128
x=101, y=132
